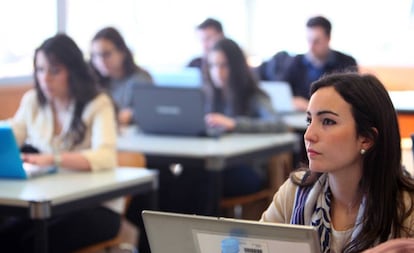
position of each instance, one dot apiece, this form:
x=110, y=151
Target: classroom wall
x=10, y=95
x=394, y=78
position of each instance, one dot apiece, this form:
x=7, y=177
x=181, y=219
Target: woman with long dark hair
x=113, y=62
x=72, y=125
x=235, y=103
x=354, y=189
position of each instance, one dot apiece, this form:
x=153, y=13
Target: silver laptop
x=172, y=111
x=281, y=95
x=178, y=233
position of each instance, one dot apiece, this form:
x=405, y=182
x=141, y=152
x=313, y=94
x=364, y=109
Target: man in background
x=208, y=32
x=319, y=60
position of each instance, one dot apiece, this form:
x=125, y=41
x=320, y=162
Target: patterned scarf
x=312, y=207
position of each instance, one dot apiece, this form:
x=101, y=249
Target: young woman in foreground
x=354, y=190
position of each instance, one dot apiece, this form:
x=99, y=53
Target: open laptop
x=11, y=165
x=281, y=95
x=177, y=233
x=171, y=111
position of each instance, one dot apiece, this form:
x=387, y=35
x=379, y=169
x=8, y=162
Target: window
x=24, y=25
x=375, y=32
x=161, y=33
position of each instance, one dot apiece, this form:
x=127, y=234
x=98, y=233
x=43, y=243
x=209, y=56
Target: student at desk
x=320, y=59
x=114, y=65
x=354, y=189
x=72, y=125
x=235, y=103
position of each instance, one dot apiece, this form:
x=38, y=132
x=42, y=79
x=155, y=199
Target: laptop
x=11, y=165
x=177, y=233
x=281, y=96
x=183, y=77
x=172, y=111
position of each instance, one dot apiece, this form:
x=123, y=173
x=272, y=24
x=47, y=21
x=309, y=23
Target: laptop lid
x=281, y=95
x=170, y=110
x=11, y=165
x=177, y=233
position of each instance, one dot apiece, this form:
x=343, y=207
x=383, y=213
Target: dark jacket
x=297, y=72
x=196, y=63
x=275, y=68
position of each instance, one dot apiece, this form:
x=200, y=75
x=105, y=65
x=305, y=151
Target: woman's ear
x=369, y=141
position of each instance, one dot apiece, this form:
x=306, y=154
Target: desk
x=296, y=121
x=211, y=154
x=51, y=195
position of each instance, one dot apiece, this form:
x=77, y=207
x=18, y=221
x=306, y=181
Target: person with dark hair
x=114, y=65
x=235, y=103
x=72, y=125
x=208, y=32
x=303, y=69
x=354, y=189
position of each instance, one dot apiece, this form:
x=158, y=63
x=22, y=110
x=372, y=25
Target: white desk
x=296, y=121
x=51, y=195
x=211, y=154
x=216, y=153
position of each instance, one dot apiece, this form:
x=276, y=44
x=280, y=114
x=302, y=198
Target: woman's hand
x=220, y=120
x=300, y=103
x=125, y=116
x=38, y=159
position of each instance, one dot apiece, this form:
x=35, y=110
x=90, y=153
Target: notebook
x=172, y=111
x=11, y=165
x=281, y=95
x=177, y=233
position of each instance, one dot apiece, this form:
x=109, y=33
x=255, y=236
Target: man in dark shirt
x=208, y=32
x=319, y=60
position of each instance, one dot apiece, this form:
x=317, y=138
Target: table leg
x=39, y=213
x=215, y=193
x=41, y=237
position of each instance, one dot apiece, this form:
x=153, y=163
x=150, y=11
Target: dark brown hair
x=61, y=49
x=129, y=66
x=383, y=181
x=242, y=85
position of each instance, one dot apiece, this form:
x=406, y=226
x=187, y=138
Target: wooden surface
x=10, y=96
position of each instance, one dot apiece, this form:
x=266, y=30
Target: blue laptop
x=11, y=165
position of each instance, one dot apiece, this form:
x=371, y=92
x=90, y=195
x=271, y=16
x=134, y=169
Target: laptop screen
x=280, y=94
x=176, y=233
x=184, y=77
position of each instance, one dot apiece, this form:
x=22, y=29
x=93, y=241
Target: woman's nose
x=310, y=133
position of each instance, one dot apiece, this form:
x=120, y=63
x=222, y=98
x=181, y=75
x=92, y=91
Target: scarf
x=312, y=207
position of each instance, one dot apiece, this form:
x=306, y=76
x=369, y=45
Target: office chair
x=128, y=159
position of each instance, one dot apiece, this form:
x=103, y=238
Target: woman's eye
x=39, y=69
x=328, y=122
x=54, y=70
x=308, y=121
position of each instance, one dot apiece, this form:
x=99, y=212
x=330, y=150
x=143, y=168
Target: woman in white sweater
x=72, y=125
